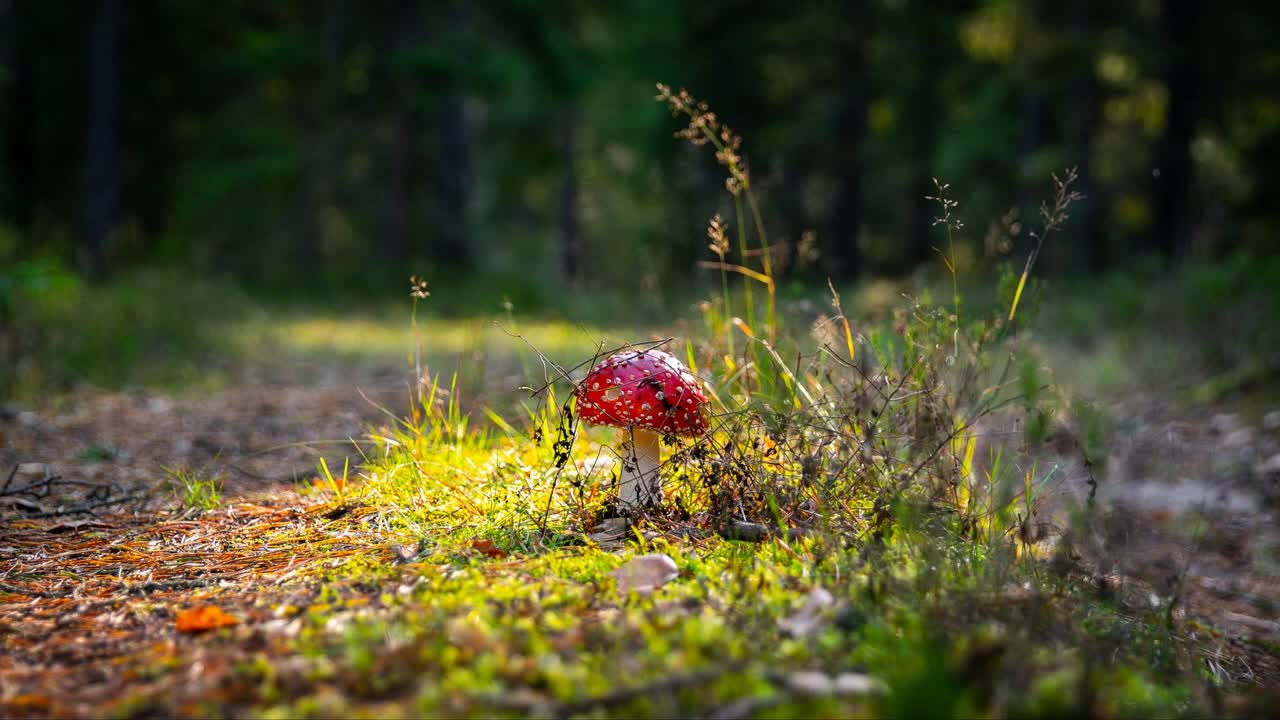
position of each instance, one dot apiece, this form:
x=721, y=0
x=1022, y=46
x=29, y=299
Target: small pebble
x=1241, y=438
x=1223, y=423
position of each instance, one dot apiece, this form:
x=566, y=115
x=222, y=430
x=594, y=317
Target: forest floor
x=174, y=554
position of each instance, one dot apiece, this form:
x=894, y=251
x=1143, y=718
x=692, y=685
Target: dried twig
x=89, y=508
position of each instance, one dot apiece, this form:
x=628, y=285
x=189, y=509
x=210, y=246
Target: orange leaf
x=31, y=702
x=486, y=547
x=204, y=617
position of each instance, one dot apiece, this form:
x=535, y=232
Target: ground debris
x=645, y=573
x=810, y=618
x=86, y=608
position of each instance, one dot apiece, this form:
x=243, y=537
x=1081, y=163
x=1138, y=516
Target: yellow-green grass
x=505, y=609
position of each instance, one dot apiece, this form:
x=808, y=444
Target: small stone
x=855, y=684
x=645, y=573
x=1271, y=421
x=159, y=405
x=1223, y=423
x=811, y=683
x=1269, y=468
x=810, y=618
x=32, y=471
x=1239, y=438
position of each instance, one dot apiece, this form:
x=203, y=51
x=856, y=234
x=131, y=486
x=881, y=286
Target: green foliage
x=1148, y=325
x=1095, y=431
x=345, y=145
x=196, y=491
x=157, y=328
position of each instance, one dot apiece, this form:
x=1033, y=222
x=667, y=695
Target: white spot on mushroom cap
x=625, y=387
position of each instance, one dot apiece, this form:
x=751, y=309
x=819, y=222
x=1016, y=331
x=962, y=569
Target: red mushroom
x=648, y=394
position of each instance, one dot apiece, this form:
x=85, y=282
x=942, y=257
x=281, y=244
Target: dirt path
x=98, y=558
x=1189, y=517
x=104, y=446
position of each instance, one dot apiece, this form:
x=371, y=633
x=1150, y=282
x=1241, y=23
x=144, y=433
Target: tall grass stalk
x=720, y=246
x=1052, y=218
x=705, y=128
x=950, y=224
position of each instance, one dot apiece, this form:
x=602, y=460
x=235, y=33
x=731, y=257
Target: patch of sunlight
x=878, y=295
x=392, y=337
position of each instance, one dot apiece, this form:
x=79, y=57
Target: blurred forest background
x=302, y=146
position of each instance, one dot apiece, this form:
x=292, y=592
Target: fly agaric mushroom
x=648, y=394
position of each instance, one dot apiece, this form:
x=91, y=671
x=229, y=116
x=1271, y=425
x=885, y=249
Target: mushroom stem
x=639, y=482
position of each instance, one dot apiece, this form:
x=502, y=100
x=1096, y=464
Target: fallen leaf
x=486, y=547
x=809, y=618
x=204, y=617
x=30, y=702
x=645, y=573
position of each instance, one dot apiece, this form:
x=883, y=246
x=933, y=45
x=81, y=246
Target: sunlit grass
x=387, y=337
x=194, y=490
x=495, y=617
x=923, y=561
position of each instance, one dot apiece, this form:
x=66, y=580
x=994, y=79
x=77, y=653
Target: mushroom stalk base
x=639, y=483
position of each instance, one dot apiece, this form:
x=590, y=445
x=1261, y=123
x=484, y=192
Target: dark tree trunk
x=844, y=258
x=1088, y=231
x=452, y=180
x=450, y=166
x=404, y=150
x=22, y=138
x=1175, y=177
x=1032, y=141
x=923, y=123
x=404, y=185
x=1033, y=129
x=11, y=59
x=570, y=228
x=101, y=182
x=318, y=151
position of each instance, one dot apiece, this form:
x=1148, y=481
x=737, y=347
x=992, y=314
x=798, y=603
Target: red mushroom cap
x=645, y=389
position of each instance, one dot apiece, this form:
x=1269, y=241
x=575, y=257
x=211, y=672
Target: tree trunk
x=452, y=180
x=404, y=184
x=1029, y=77
x=570, y=228
x=404, y=149
x=317, y=151
x=101, y=182
x=22, y=138
x=844, y=258
x=10, y=57
x=1088, y=232
x=1175, y=173
x=923, y=123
